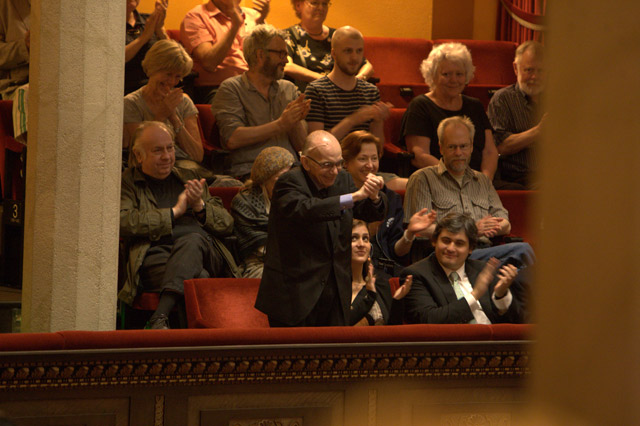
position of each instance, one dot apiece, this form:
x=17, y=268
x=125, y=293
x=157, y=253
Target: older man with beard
x=515, y=115
x=341, y=102
x=258, y=109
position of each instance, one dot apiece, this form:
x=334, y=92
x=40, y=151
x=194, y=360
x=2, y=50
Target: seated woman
x=309, y=44
x=371, y=301
x=447, y=70
x=391, y=242
x=166, y=63
x=143, y=30
x=250, y=208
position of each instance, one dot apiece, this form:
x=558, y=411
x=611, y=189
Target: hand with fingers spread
x=404, y=289
x=262, y=7
x=420, y=222
x=181, y=205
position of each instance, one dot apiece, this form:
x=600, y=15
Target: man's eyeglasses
x=327, y=165
x=317, y=4
x=281, y=53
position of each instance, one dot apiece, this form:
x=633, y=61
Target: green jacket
x=141, y=222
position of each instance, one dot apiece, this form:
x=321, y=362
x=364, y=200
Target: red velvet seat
x=174, y=34
x=395, y=158
x=223, y=303
x=519, y=204
x=226, y=194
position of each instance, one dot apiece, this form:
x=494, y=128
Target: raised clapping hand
x=404, y=289
x=420, y=221
x=372, y=185
x=489, y=226
x=229, y=8
x=169, y=104
x=370, y=283
x=294, y=112
x=506, y=275
x=193, y=190
x=485, y=277
x=161, y=10
x=262, y=7
x=378, y=111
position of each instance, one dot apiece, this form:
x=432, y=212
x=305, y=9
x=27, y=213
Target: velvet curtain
x=521, y=20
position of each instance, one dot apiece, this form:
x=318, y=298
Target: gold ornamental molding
x=255, y=365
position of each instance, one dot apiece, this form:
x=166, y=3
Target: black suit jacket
x=309, y=236
x=432, y=299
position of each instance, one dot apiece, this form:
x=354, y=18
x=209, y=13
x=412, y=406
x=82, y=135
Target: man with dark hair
x=169, y=222
x=450, y=288
x=517, y=119
x=259, y=109
x=307, y=270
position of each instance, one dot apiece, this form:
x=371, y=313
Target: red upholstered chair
x=174, y=34
x=223, y=303
x=214, y=153
x=225, y=193
x=395, y=159
x=394, y=284
x=396, y=62
x=519, y=204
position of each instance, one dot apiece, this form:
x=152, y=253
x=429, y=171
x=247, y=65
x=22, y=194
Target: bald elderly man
x=340, y=102
x=307, y=272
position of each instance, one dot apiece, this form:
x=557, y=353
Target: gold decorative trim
x=196, y=366
x=159, y=411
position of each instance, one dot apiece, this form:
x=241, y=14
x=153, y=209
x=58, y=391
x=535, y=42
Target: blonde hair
x=167, y=55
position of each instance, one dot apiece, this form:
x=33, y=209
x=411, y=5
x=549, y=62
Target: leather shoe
x=159, y=322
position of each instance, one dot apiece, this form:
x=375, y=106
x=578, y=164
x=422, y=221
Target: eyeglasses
x=281, y=53
x=317, y=4
x=327, y=165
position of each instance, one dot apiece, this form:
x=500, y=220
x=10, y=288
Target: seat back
x=174, y=34
x=223, y=303
x=226, y=194
x=397, y=60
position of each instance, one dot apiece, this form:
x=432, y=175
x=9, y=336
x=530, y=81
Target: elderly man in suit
x=450, y=288
x=307, y=272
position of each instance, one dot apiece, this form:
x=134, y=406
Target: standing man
x=452, y=186
x=341, y=102
x=515, y=115
x=307, y=272
x=450, y=288
x=212, y=34
x=170, y=224
x=258, y=109
x=15, y=21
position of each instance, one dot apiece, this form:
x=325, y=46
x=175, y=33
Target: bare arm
x=210, y=54
x=516, y=142
x=366, y=71
x=377, y=112
x=489, y=155
x=298, y=72
x=188, y=136
x=132, y=49
x=420, y=146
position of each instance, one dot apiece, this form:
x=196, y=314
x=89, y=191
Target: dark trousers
x=165, y=267
x=326, y=312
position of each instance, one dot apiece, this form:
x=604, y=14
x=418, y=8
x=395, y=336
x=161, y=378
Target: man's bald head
x=344, y=33
x=322, y=157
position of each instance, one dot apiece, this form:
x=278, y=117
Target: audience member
x=340, y=102
x=371, y=301
x=15, y=22
x=212, y=33
x=452, y=186
x=447, y=70
x=391, y=242
x=170, y=224
x=309, y=44
x=258, y=109
x=517, y=120
x=166, y=63
x=250, y=208
x=450, y=288
x=307, y=265
x=143, y=30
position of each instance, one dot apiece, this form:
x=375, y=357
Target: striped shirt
x=330, y=104
x=435, y=188
x=512, y=111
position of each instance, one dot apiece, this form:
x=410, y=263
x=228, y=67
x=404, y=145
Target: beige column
x=73, y=174
x=587, y=358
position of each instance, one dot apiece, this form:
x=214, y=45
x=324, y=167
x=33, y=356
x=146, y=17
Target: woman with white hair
x=166, y=64
x=447, y=70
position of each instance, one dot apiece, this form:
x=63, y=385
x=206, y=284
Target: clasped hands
x=506, y=275
x=370, y=188
x=190, y=197
x=294, y=112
